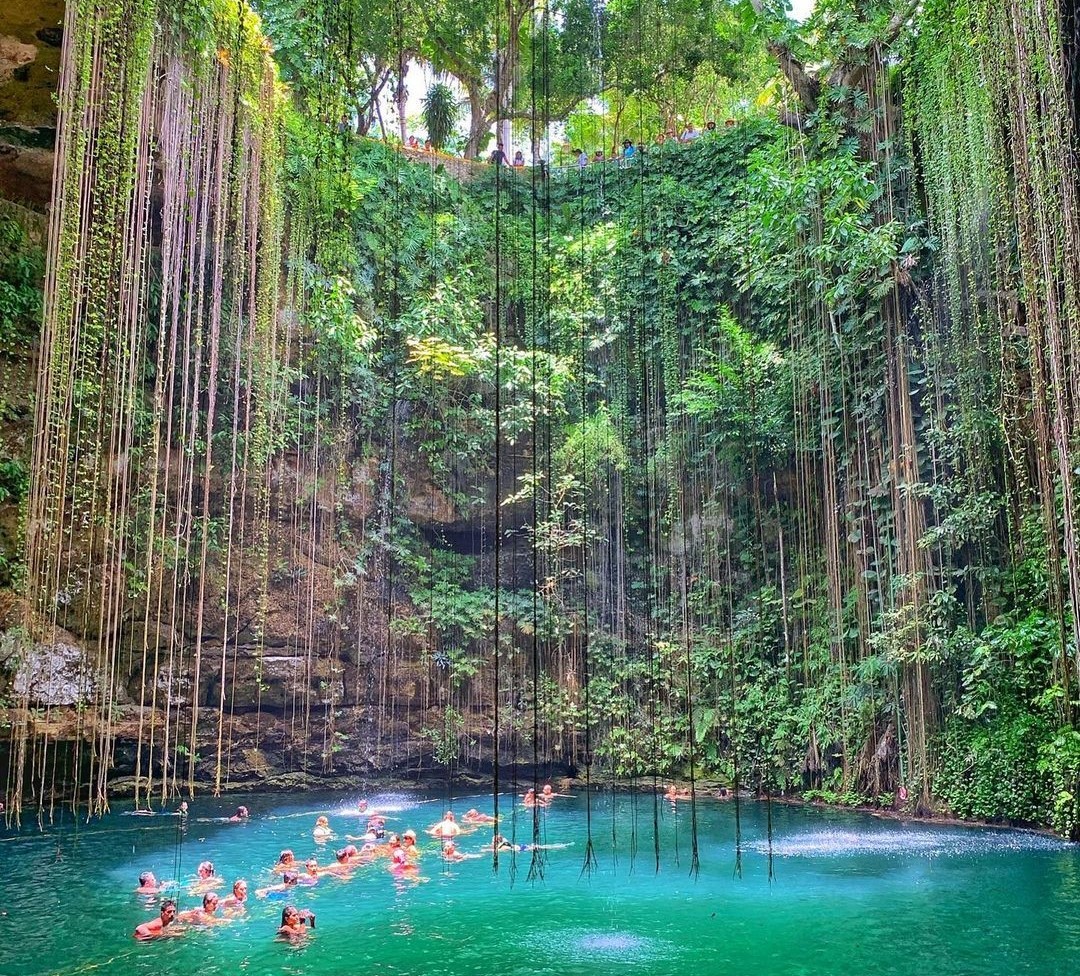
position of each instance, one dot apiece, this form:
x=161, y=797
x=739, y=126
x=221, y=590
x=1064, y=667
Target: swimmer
x=289, y=881
x=237, y=901
x=500, y=843
x=451, y=853
x=362, y=806
x=206, y=878
x=240, y=816
x=149, y=885
x=408, y=843
x=399, y=862
x=286, y=861
x=322, y=831
x=476, y=817
x=547, y=795
x=157, y=927
x=202, y=916
x=446, y=829
x=676, y=793
x=295, y=923
x=311, y=873
x=343, y=868
x=530, y=799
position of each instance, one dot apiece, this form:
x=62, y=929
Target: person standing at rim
x=498, y=157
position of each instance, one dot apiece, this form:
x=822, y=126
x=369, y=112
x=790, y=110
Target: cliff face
x=270, y=659
x=30, y=41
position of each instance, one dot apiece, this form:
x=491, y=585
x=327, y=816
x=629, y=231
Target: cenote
x=850, y=894
x=681, y=393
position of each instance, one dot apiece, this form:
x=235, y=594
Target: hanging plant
x=440, y=114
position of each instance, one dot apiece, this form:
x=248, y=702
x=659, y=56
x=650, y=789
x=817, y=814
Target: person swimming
x=206, y=878
x=400, y=863
x=286, y=861
x=446, y=829
x=237, y=901
x=322, y=830
x=500, y=843
x=451, y=853
x=295, y=923
x=289, y=881
x=476, y=817
x=158, y=926
x=149, y=885
x=202, y=916
x=240, y=816
x=311, y=873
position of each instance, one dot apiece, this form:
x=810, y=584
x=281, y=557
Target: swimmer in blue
x=289, y=881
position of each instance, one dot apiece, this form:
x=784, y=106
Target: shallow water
x=850, y=895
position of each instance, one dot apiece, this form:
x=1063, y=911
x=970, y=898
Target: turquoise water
x=850, y=895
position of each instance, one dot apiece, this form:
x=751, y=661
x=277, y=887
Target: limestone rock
x=14, y=55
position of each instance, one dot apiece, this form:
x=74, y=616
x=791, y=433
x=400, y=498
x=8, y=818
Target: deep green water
x=850, y=895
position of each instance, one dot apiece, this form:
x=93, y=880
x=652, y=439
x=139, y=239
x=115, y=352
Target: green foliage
x=440, y=114
x=22, y=273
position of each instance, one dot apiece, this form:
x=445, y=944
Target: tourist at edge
x=498, y=157
x=156, y=926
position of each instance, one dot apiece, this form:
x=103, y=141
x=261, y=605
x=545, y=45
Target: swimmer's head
x=342, y=855
x=288, y=913
x=400, y=857
x=206, y=869
x=239, y=888
x=209, y=901
x=394, y=841
x=168, y=910
x=322, y=822
x=147, y=879
x=286, y=857
x=242, y=812
x=409, y=837
x=363, y=805
x=312, y=865
x=449, y=815
x=290, y=878
x=472, y=813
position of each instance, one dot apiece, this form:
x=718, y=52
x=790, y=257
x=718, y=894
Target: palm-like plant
x=440, y=114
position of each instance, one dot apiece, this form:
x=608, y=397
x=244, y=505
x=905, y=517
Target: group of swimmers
x=401, y=852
